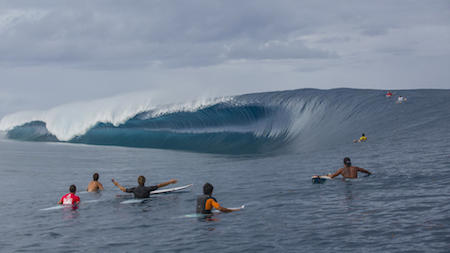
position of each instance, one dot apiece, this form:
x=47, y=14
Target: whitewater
x=258, y=150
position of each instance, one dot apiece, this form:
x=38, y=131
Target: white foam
x=70, y=120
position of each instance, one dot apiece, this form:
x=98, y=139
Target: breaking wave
x=252, y=123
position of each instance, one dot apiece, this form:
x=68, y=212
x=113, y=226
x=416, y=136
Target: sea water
x=263, y=159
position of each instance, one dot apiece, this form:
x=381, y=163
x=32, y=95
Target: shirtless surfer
x=141, y=191
x=349, y=171
x=95, y=185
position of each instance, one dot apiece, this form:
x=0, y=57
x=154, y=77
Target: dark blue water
x=403, y=206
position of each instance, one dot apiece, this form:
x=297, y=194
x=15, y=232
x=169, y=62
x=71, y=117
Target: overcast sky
x=54, y=52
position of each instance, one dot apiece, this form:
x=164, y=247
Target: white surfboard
x=69, y=206
x=320, y=179
x=239, y=208
x=133, y=201
x=53, y=208
x=200, y=215
x=171, y=189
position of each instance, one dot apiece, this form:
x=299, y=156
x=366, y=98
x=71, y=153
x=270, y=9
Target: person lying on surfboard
x=95, y=185
x=205, y=202
x=70, y=198
x=142, y=191
x=363, y=138
x=349, y=171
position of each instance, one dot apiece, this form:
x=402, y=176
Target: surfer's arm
x=339, y=171
x=173, y=181
x=100, y=186
x=118, y=185
x=220, y=208
x=60, y=201
x=364, y=171
x=227, y=210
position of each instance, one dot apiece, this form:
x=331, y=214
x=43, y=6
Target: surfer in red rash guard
x=70, y=198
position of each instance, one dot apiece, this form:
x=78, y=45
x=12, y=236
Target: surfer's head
x=73, y=189
x=208, y=189
x=95, y=176
x=347, y=161
x=363, y=134
x=141, y=180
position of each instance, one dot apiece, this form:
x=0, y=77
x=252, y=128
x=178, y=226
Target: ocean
x=258, y=150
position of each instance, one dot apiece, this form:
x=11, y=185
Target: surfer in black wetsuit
x=141, y=191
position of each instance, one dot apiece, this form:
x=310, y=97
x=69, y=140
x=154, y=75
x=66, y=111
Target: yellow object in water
x=363, y=138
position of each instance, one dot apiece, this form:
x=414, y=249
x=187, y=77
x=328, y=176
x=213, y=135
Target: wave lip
x=71, y=120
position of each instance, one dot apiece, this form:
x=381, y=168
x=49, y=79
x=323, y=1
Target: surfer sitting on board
x=95, y=185
x=349, y=171
x=400, y=99
x=205, y=202
x=70, y=198
x=141, y=191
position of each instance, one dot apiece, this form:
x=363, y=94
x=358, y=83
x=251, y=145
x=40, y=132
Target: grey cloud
x=124, y=34
x=276, y=50
x=174, y=35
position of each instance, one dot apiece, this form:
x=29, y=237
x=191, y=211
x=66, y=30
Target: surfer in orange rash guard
x=205, y=202
x=349, y=171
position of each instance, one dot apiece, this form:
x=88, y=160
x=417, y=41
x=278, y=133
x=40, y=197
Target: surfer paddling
x=142, y=191
x=363, y=138
x=95, y=185
x=205, y=202
x=349, y=171
x=70, y=198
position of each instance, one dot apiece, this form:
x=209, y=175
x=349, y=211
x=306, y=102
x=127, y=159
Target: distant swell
x=253, y=123
x=33, y=131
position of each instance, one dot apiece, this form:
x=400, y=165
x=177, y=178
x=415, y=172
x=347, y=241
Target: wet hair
x=73, y=188
x=141, y=180
x=363, y=134
x=347, y=161
x=95, y=176
x=208, y=189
